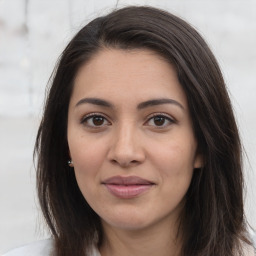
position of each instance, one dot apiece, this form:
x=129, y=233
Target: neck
x=149, y=241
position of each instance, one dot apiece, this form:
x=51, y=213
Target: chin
x=128, y=225
x=128, y=220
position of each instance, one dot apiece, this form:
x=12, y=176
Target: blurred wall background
x=32, y=35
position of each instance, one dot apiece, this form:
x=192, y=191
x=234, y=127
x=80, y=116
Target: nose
x=126, y=148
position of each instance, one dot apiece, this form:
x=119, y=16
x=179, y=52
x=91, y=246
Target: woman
x=138, y=149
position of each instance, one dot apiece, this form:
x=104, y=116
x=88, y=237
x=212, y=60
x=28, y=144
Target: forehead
x=127, y=75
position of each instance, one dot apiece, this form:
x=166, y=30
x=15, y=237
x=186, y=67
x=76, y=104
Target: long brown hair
x=212, y=222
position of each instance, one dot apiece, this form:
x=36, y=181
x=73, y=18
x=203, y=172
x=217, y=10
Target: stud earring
x=70, y=163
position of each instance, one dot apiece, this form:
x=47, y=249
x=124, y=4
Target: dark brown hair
x=212, y=222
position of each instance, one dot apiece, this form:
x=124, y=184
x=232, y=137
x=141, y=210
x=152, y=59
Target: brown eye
x=159, y=121
x=95, y=121
x=98, y=120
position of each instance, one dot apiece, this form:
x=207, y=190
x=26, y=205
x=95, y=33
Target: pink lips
x=127, y=187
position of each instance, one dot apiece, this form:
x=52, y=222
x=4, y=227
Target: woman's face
x=130, y=138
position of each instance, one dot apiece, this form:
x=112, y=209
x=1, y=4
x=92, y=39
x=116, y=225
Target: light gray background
x=33, y=34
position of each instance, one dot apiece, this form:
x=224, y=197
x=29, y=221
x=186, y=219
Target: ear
x=199, y=161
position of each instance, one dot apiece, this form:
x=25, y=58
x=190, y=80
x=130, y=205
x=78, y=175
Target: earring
x=70, y=163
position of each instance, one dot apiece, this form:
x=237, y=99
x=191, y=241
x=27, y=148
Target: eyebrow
x=142, y=105
x=95, y=101
x=156, y=102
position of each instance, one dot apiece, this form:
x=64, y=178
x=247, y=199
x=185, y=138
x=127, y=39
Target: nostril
x=126, y=156
x=113, y=161
x=124, y=163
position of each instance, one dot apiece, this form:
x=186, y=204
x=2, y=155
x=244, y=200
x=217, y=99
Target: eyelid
x=93, y=114
x=89, y=115
x=167, y=116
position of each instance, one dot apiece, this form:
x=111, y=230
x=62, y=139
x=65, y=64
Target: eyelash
x=86, y=118
x=161, y=115
x=90, y=116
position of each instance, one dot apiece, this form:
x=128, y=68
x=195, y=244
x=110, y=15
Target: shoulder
x=249, y=250
x=253, y=237
x=39, y=248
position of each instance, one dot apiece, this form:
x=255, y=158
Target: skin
x=127, y=140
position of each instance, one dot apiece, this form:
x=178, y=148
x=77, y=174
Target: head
x=211, y=220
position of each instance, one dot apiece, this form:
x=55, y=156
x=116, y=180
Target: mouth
x=127, y=187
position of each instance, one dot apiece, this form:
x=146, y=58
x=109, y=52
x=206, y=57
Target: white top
x=44, y=248
x=39, y=248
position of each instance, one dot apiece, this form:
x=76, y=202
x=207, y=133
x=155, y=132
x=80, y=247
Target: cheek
x=175, y=155
x=85, y=153
x=176, y=170
x=87, y=163
x=87, y=158
x=175, y=161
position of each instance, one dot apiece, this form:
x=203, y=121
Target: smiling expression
x=130, y=138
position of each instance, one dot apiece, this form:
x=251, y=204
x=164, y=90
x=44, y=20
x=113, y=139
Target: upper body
x=138, y=138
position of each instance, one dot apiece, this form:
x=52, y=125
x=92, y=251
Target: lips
x=127, y=187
